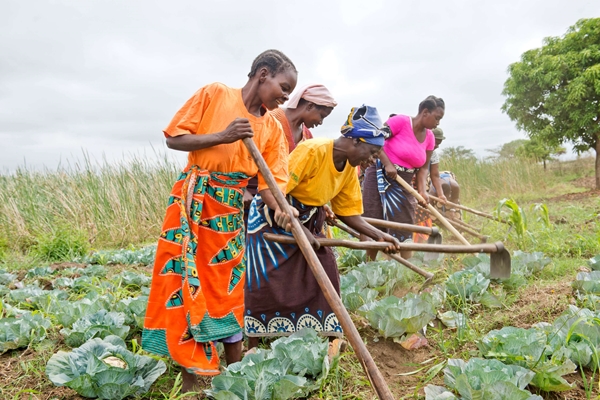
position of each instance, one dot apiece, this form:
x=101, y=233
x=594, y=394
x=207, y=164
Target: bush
x=63, y=244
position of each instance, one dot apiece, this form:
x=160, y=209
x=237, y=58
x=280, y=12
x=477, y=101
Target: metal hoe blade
x=500, y=263
x=434, y=238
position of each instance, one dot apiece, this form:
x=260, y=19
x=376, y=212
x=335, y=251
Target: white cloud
x=106, y=77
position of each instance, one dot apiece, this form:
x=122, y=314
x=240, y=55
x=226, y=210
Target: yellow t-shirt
x=211, y=110
x=315, y=181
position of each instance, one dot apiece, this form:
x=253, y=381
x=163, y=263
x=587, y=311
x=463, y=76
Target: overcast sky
x=106, y=76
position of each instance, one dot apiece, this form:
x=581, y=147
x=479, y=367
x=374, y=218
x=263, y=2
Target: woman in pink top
x=408, y=148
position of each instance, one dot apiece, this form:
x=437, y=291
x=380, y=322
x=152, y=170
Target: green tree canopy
x=553, y=93
x=458, y=152
x=508, y=150
x=539, y=150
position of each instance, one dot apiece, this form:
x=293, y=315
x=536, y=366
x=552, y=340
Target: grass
x=113, y=205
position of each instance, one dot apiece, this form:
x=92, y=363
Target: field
x=61, y=231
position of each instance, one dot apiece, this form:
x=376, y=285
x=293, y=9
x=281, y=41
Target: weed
x=61, y=244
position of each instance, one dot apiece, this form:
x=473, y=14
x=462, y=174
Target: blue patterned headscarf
x=364, y=123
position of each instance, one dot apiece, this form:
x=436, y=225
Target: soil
x=588, y=183
x=392, y=359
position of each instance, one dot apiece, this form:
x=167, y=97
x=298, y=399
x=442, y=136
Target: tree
x=508, y=150
x=539, y=150
x=553, y=93
x=457, y=153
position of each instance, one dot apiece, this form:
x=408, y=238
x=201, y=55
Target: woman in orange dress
x=197, y=291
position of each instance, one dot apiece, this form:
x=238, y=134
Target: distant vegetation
x=66, y=212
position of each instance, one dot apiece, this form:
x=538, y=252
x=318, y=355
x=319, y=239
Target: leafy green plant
x=529, y=348
x=292, y=368
x=468, y=285
x=134, y=309
x=6, y=277
x=63, y=243
x=350, y=258
x=142, y=256
x=128, y=278
x=40, y=272
x=587, y=283
x=100, y=324
x=594, y=263
x=516, y=218
x=523, y=265
x=543, y=216
x=393, y=317
x=94, y=270
x=575, y=334
x=35, y=297
x=105, y=369
x=483, y=379
x=22, y=330
x=353, y=294
x=67, y=312
x=62, y=283
x=87, y=284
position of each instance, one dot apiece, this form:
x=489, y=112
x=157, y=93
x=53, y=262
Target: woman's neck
x=294, y=117
x=340, y=153
x=250, y=98
x=417, y=125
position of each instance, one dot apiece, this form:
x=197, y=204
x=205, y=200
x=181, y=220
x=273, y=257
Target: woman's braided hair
x=431, y=103
x=274, y=60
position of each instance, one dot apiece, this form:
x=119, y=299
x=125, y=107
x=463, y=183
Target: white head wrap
x=315, y=93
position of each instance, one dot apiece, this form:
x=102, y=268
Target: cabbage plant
x=469, y=285
x=134, y=309
x=393, y=317
x=104, y=369
x=128, y=278
x=483, y=379
x=100, y=324
x=529, y=348
x=21, y=331
x=293, y=367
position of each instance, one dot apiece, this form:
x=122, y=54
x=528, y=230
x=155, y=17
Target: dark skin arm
x=357, y=223
x=282, y=218
x=422, y=179
x=238, y=129
x=436, y=181
x=390, y=169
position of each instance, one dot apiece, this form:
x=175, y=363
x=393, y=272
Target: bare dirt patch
x=540, y=303
x=575, y=196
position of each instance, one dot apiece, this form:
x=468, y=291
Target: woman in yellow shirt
x=282, y=295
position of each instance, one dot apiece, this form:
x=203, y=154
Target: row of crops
x=98, y=315
x=510, y=358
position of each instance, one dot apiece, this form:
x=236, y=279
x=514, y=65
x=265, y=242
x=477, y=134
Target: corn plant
x=517, y=219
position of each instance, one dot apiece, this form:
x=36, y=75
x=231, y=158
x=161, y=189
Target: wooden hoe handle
x=432, y=210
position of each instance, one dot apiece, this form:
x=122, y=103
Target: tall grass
x=487, y=181
x=113, y=204
x=117, y=204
